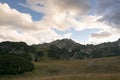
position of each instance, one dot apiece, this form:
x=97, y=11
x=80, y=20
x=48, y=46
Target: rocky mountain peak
x=65, y=43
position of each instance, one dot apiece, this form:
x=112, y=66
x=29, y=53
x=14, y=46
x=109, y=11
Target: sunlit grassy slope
x=88, y=69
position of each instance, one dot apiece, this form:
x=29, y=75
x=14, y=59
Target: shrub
x=57, y=53
x=10, y=64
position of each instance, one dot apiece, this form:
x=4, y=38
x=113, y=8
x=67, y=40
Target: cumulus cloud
x=10, y=16
x=16, y=26
x=59, y=10
x=75, y=6
x=72, y=6
x=9, y=34
x=60, y=13
x=63, y=15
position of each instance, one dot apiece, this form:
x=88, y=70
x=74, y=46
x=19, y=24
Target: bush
x=10, y=64
x=57, y=53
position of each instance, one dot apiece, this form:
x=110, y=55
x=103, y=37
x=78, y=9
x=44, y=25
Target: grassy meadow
x=88, y=69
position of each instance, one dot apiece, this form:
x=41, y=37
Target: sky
x=41, y=21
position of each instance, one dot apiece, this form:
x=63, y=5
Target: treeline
x=11, y=64
x=15, y=58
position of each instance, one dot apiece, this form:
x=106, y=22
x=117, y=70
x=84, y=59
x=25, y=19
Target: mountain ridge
x=80, y=51
x=61, y=49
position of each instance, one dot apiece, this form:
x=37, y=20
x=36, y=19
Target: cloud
x=109, y=9
x=101, y=34
x=72, y=6
x=10, y=16
x=65, y=14
x=57, y=12
x=78, y=6
x=110, y=17
x=62, y=15
x=104, y=36
x=16, y=26
x=78, y=14
x=10, y=34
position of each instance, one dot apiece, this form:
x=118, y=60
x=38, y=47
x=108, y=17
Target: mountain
x=16, y=48
x=69, y=49
x=13, y=47
x=64, y=43
x=60, y=49
x=106, y=49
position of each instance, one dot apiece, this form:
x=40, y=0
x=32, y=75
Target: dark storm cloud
x=110, y=10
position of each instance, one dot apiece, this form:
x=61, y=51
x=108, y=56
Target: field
x=88, y=69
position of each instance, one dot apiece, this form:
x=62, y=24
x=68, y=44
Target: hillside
x=105, y=49
x=13, y=47
x=16, y=48
x=61, y=50
x=69, y=49
x=88, y=69
x=61, y=60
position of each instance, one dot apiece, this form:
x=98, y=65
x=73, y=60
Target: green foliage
x=19, y=55
x=17, y=49
x=106, y=52
x=57, y=53
x=38, y=55
x=11, y=64
x=13, y=47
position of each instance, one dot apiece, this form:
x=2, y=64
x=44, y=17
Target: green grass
x=88, y=69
